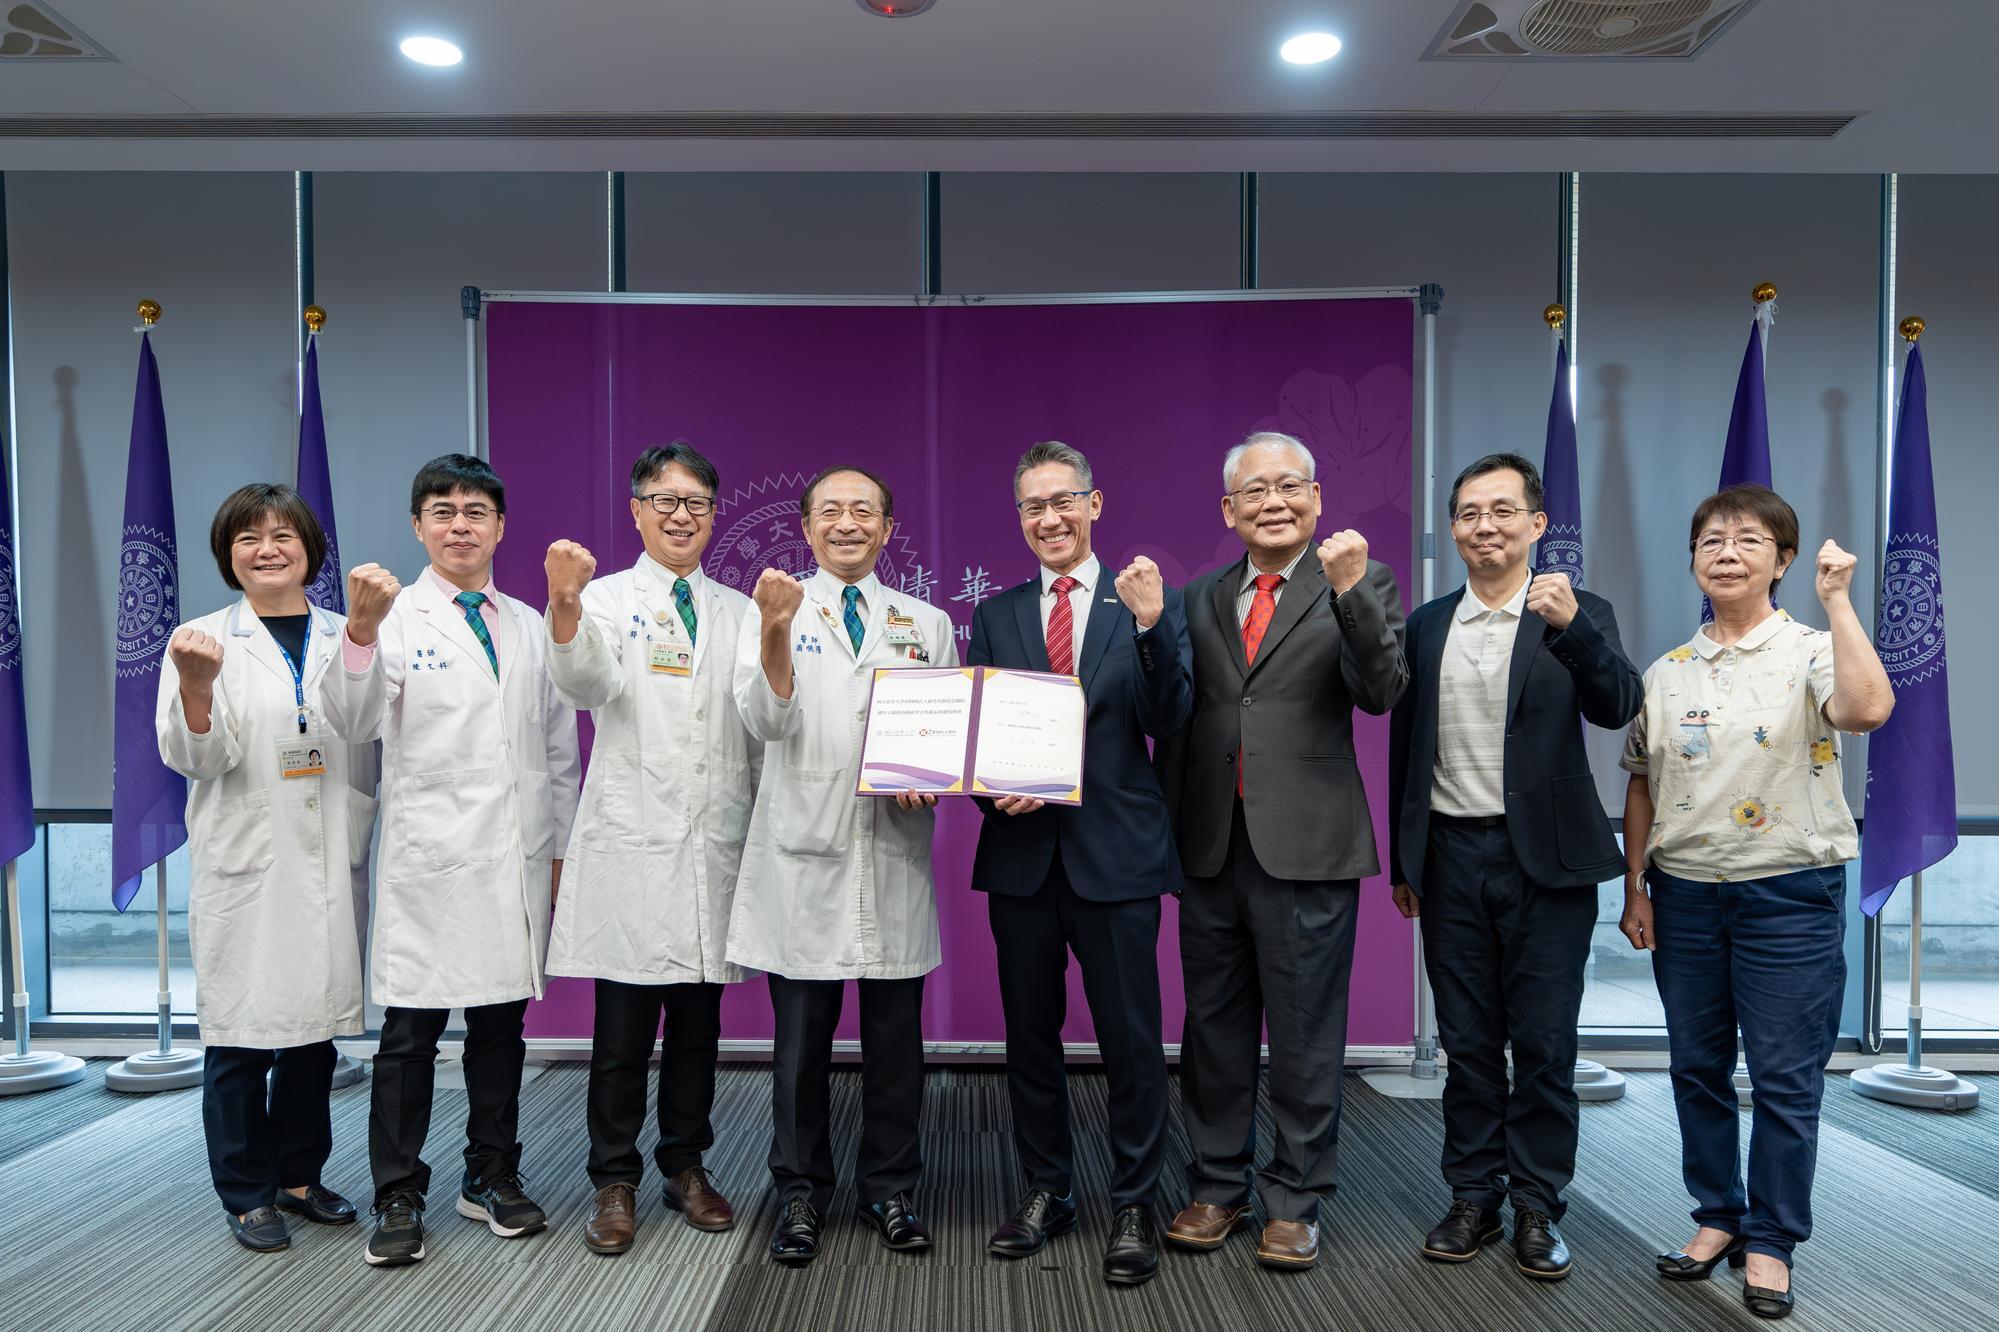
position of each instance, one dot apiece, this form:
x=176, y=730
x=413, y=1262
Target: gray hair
x=1259, y=439
x=1046, y=453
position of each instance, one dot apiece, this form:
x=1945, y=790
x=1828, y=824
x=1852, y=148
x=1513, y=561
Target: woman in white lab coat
x=279, y=818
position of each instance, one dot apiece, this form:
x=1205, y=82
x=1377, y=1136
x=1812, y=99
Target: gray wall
x=858, y=234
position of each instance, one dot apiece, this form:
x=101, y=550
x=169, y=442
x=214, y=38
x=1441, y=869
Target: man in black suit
x=1275, y=835
x=1086, y=879
x=1498, y=842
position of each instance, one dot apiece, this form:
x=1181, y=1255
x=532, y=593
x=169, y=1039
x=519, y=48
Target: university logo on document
x=1911, y=629
x=763, y=531
x=148, y=587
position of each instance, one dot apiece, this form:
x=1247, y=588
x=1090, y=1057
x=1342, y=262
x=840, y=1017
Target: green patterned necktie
x=857, y=629
x=470, y=602
x=683, y=601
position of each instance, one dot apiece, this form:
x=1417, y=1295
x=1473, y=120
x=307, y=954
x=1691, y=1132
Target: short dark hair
x=457, y=471
x=1750, y=501
x=662, y=456
x=245, y=508
x=1501, y=462
x=805, y=500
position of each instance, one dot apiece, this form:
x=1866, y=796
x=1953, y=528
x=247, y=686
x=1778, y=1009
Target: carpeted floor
x=109, y=1223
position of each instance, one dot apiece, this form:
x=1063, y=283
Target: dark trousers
x=1117, y=946
x=628, y=1017
x=406, y=1076
x=801, y=1144
x=264, y=1138
x=1258, y=950
x=1505, y=958
x=1766, y=956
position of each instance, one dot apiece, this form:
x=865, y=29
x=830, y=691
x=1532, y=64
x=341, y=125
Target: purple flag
x=1911, y=783
x=148, y=799
x=1561, y=547
x=315, y=484
x=17, y=799
x=1746, y=456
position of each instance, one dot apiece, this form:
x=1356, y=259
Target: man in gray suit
x=1274, y=836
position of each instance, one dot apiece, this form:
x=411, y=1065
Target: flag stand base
x=39, y=1070
x=1594, y=1082
x=1925, y=1088
x=347, y=1070
x=155, y=1071
x=1416, y=1081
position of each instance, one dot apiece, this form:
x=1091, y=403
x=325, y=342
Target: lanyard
x=298, y=679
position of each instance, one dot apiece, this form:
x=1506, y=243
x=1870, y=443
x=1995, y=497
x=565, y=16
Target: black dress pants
x=628, y=1017
x=801, y=1147
x=263, y=1138
x=1505, y=957
x=1116, y=944
x=406, y=1077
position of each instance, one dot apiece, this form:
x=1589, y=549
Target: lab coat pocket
x=449, y=817
x=815, y=812
x=240, y=840
x=360, y=827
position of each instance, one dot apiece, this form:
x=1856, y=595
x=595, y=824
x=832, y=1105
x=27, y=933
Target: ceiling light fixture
x=1309, y=48
x=895, y=8
x=431, y=51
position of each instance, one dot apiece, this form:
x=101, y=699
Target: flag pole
x=28, y=1070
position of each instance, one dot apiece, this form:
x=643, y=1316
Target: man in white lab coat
x=834, y=886
x=652, y=862
x=479, y=776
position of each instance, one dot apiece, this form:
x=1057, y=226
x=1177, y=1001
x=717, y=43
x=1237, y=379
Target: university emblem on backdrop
x=758, y=528
x=147, y=593
x=10, y=616
x=1911, y=631
x=1561, y=551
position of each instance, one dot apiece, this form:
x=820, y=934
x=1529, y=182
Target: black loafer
x=1538, y=1248
x=1040, y=1217
x=1465, y=1229
x=1767, y=1303
x=896, y=1222
x=322, y=1205
x=1681, y=1267
x=261, y=1230
x=1133, y=1256
x=795, y=1239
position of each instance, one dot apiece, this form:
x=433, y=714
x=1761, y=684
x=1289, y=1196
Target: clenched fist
x=1142, y=591
x=570, y=568
x=371, y=590
x=1835, y=577
x=1553, y=598
x=778, y=596
x=196, y=656
x=1344, y=557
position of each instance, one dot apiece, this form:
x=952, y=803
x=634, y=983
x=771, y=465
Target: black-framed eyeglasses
x=1065, y=505
x=1253, y=494
x=1502, y=515
x=698, y=506
x=472, y=513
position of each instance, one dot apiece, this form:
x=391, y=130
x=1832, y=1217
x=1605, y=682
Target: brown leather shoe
x=693, y=1195
x=1289, y=1244
x=613, y=1219
x=1204, y=1225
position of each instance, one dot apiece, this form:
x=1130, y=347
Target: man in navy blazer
x=1086, y=879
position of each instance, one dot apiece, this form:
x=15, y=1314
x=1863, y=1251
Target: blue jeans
x=1767, y=956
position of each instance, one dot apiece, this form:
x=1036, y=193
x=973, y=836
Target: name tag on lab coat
x=302, y=757
x=667, y=657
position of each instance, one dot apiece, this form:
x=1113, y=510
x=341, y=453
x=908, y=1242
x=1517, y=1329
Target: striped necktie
x=683, y=601
x=850, y=614
x=1062, y=627
x=470, y=602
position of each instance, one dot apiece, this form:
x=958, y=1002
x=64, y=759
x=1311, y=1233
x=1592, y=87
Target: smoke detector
x=1583, y=29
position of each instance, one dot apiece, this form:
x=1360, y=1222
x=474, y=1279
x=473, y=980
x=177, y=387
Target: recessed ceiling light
x=431, y=51
x=1309, y=48
x=896, y=8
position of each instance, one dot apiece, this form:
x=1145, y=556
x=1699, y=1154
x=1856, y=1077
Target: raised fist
x=196, y=656
x=570, y=568
x=1344, y=557
x=1835, y=577
x=1142, y=591
x=1553, y=597
x=778, y=596
x=371, y=590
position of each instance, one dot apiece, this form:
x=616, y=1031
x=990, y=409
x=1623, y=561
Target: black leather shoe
x=1133, y=1256
x=1538, y=1248
x=796, y=1237
x=261, y=1230
x=1680, y=1267
x=896, y=1222
x=321, y=1205
x=1040, y=1217
x=1767, y=1303
x=1465, y=1229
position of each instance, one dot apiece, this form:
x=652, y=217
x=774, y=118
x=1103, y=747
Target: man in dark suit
x=1498, y=842
x=1275, y=836
x=1086, y=879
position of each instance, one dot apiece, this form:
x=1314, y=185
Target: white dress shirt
x=1086, y=575
x=1245, y=595
x=1470, y=775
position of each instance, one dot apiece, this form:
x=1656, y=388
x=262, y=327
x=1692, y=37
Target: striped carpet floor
x=109, y=1224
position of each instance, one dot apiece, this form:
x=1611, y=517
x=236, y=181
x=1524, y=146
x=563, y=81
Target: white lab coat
x=279, y=885
x=833, y=885
x=651, y=871
x=478, y=789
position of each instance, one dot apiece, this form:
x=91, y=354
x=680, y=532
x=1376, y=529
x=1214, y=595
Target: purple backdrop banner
x=942, y=401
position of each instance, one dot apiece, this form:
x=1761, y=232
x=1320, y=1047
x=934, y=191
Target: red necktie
x=1261, y=608
x=1062, y=628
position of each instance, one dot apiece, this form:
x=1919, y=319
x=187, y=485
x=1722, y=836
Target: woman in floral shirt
x=1736, y=829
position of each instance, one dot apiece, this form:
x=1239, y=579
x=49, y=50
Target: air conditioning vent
x=36, y=32
x=1583, y=29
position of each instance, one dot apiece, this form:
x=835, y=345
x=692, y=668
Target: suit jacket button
x=1247, y=701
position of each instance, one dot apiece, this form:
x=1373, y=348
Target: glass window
x=1617, y=980
x=103, y=962
x=1960, y=943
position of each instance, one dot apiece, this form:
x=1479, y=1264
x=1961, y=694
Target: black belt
x=1470, y=821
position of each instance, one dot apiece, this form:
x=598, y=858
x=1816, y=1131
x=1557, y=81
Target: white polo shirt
x=1470, y=775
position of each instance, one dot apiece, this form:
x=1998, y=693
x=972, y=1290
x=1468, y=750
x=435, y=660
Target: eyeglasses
x=471, y=513
x=698, y=506
x=1256, y=492
x=1064, y=505
x=1747, y=544
x=830, y=513
x=1502, y=515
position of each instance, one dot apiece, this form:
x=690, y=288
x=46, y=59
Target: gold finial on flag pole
x=1555, y=316
x=315, y=318
x=149, y=312
x=1911, y=328
x=1765, y=291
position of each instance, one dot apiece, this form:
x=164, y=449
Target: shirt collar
x=1085, y=575
x=450, y=590
x=1765, y=630
x=1250, y=571
x=665, y=577
x=832, y=589
x=1470, y=607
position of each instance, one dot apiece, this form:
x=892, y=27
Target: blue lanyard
x=298, y=679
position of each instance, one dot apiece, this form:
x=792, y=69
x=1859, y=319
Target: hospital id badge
x=302, y=757
x=901, y=631
x=671, y=658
